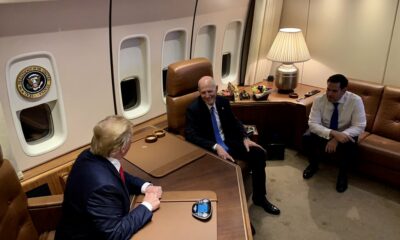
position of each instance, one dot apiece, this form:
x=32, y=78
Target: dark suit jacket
x=199, y=129
x=96, y=202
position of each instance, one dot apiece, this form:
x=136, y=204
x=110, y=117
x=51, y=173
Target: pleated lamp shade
x=289, y=46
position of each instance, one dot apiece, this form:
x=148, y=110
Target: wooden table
x=279, y=118
x=209, y=173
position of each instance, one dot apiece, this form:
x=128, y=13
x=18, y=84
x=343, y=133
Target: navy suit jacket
x=96, y=202
x=199, y=129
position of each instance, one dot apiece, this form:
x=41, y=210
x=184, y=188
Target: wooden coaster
x=159, y=133
x=151, y=138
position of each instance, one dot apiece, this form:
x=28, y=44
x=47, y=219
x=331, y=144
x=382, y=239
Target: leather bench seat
x=378, y=147
x=381, y=151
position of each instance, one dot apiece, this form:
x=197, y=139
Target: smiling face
x=208, y=90
x=334, y=92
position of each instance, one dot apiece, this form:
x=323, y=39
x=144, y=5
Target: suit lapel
x=112, y=168
x=205, y=117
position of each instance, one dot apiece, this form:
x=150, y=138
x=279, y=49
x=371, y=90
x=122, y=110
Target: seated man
x=96, y=199
x=336, y=120
x=210, y=124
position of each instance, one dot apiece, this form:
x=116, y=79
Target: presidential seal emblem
x=33, y=82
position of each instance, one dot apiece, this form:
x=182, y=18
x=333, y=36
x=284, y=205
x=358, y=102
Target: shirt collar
x=115, y=162
x=209, y=107
x=343, y=98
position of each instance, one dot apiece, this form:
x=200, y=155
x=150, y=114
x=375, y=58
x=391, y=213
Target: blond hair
x=110, y=135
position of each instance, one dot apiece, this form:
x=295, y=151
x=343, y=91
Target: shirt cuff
x=148, y=206
x=144, y=186
x=214, y=147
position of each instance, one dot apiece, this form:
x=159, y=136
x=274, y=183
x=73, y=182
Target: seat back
x=182, y=79
x=371, y=94
x=387, y=121
x=15, y=221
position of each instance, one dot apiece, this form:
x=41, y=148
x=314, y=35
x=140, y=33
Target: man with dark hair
x=210, y=124
x=336, y=120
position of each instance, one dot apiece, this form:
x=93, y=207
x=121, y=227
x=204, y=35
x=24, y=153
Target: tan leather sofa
x=379, y=146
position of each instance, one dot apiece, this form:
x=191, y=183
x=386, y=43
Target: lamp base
x=285, y=91
x=286, y=78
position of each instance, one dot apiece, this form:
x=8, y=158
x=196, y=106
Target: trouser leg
x=314, y=147
x=255, y=158
x=346, y=153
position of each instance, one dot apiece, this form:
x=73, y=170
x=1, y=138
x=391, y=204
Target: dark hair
x=339, y=78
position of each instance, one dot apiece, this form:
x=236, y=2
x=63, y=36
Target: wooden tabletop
x=275, y=96
x=209, y=173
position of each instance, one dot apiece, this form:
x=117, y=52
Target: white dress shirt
x=352, y=120
x=117, y=166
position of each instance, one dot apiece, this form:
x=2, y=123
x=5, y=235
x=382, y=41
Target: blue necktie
x=335, y=117
x=217, y=135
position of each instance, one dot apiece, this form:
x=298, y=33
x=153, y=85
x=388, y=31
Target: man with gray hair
x=96, y=199
x=210, y=124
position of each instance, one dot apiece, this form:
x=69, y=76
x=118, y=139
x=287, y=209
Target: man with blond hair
x=96, y=199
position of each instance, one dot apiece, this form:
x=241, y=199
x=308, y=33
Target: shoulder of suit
x=222, y=100
x=195, y=104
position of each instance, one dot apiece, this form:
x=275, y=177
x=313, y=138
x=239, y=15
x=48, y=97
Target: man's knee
x=256, y=157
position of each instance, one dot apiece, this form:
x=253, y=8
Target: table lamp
x=288, y=47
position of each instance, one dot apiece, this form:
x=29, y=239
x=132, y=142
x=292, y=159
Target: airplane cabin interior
x=67, y=64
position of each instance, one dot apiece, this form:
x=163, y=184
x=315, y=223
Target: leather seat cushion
x=182, y=76
x=371, y=96
x=387, y=121
x=381, y=151
x=176, y=109
x=47, y=235
x=15, y=221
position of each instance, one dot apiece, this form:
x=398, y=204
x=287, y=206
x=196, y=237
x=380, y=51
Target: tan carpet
x=312, y=209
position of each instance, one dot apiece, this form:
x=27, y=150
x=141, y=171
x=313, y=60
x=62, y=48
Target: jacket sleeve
x=134, y=184
x=106, y=210
x=193, y=129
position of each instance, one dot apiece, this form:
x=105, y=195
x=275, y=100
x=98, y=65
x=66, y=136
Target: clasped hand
x=152, y=196
x=337, y=137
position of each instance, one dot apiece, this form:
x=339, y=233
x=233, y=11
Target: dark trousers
x=314, y=147
x=256, y=160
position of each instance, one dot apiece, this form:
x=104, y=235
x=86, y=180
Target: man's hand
x=224, y=154
x=154, y=189
x=341, y=137
x=248, y=143
x=152, y=198
x=331, y=146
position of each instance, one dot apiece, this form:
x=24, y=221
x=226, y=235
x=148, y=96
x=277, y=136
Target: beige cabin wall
x=76, y=34
x=84, y=75
x=266, y=21
x=220, y=13
x=82, y=61
x=356, y=38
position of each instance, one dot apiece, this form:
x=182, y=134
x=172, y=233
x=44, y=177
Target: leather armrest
x=45, y=201
x=45, y=212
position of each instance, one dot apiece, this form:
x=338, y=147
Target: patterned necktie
x=121, y=173
x=217, y=135
x=335, y=117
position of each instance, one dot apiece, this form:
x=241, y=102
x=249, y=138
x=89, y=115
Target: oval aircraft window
x=36, y=123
